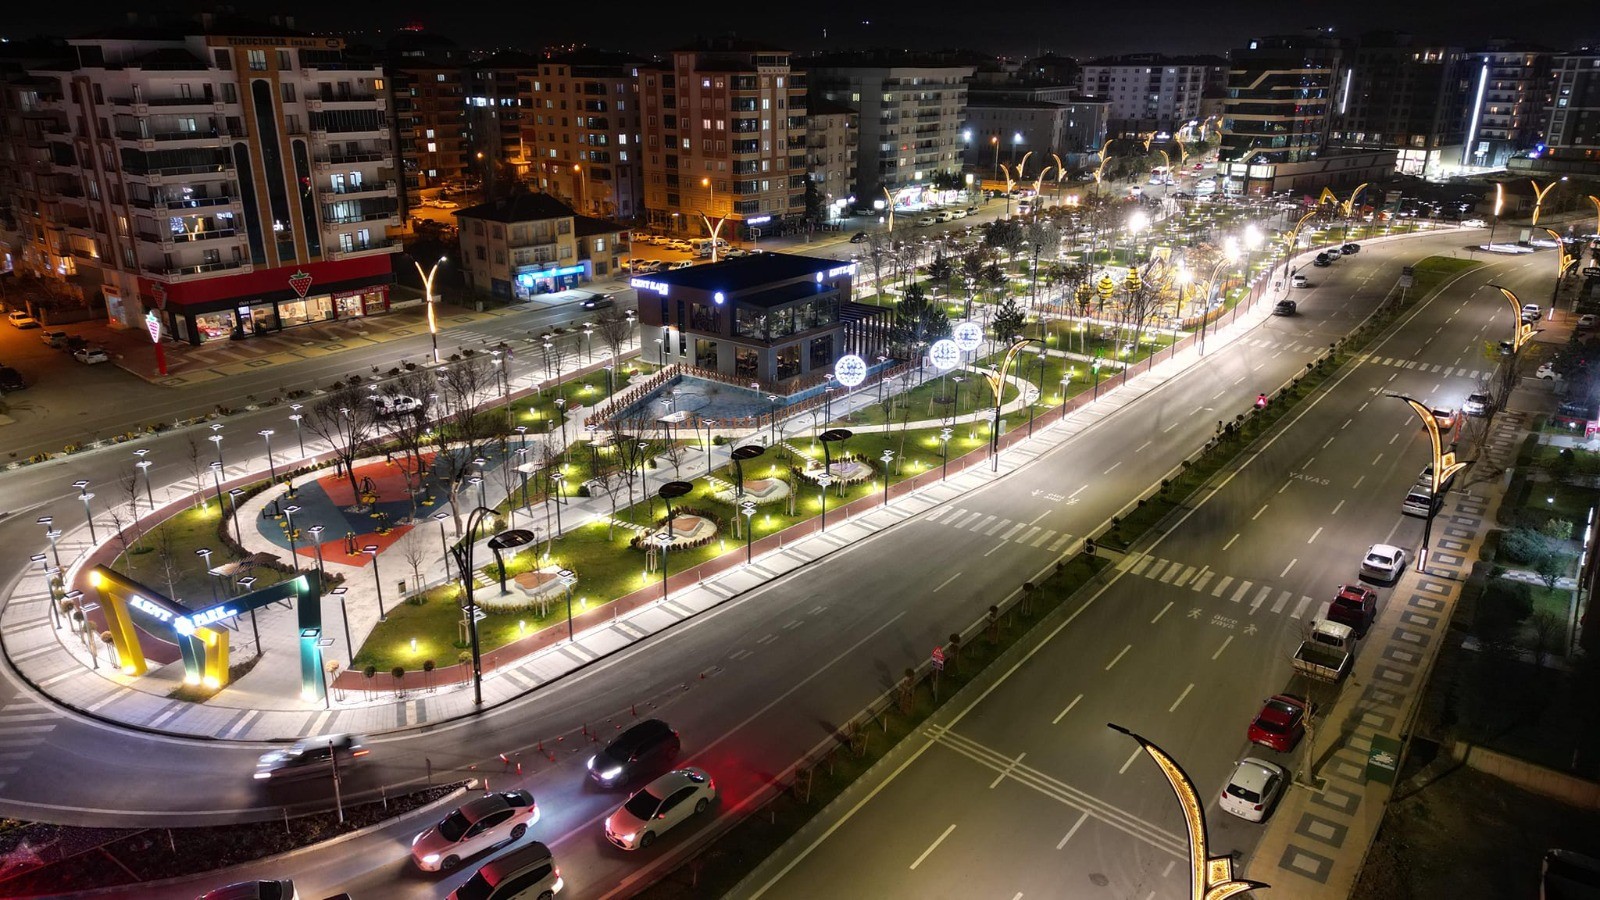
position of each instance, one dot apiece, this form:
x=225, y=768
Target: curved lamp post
x=85, y=495
x=462, y=554
x=1524, y=332
x=429, y=300
x=668, y=492
x=828, y=438
x=1444, y=468
x=997, y=385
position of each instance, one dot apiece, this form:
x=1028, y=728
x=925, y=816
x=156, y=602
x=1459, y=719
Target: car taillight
x=360, y=753
x=1258, y=807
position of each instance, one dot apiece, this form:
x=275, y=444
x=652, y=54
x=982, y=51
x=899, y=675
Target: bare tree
x=1142, y=306
x=414, y=551
x=347, y=419
x=615, y=329
x=197, y=470
x=128, y=481
x=632, y=453
x=609, y=479
x=464, y=388
x=880, y=250
x=166, y=560
x=1546, y=631
x=412, y=428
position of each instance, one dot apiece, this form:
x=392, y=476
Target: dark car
x=1321, y=262
x=859, y=237
x=1350, y=249
x=1284, y=308
x=599, y=302
x=1354, y=606
x=1281, y=723
x=645, y=748
x=11, y=379
x=312, y=757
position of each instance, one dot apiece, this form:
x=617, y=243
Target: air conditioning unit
x=314, y=104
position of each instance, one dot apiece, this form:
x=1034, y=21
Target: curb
x=277, y=857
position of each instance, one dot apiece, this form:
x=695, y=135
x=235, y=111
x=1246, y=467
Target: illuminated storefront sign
x=758, y=220
x=836, y=271
x=187, y=624
x=646, y=284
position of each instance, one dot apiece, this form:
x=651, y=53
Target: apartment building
x=1507, y=104
x=583, y=133
x=1402, y=96
x=1052, y=120
x=498, y=103
x=911, y=113
x=832, y=130
x=1572, y=138
x=228, y=178
x=1150, y=92
x=523, y=245
x=429, y=101
x=1279, y=100
x=724, y=132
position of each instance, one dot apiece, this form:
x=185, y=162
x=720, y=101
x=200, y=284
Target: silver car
x=1383, y=562
x=474, y=827
x=312, y=757
x=659, y=806
x=1253, y=788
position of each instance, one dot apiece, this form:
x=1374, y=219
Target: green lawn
x=182, y=535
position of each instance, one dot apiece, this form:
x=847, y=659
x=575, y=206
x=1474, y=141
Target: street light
x=668, y=492
x=748, y=507
x=1524, y=331
x=344, y=615
x=372, y=551
x=205, y=553
x=430, y=300
x=299, y=436
x=1230, y=254
x=294, y=552
x=886, y=457
x=444, y=544
x=316, y=538
x=266, y=435
x=828, y=438
x=997, y=384
x=556, y=478
x=944, y=451
x=51, y=534
x=1444, y=467
x=216, y=481
x=85, y=495
x=143, y=465
x=233, y=496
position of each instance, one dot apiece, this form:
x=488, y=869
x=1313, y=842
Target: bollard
x=428, y=761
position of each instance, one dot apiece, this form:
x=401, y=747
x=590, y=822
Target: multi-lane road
x=782, y=664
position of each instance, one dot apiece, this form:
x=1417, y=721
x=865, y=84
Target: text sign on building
x=647, y=284
x=944, y=354
x=187, y=624
x=851, y=370
x=150, y=609
x=968, y=336
x=836, y=271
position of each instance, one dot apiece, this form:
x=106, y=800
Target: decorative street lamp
x=143, y=465
x=668, y=492
x=828, y=438
x=217, y=440
x=997, y=384
x=316, y=538
x=431, y=299
x=298, y=434
x=748, y=507
x=372, y=551
x=294, y=553
x=886, y=457
x=344, y=614
x=1444, y=467
x=205, y=553
x=266, y=435
x=1524, y=331
x=556, y=478
x=85, y=495
x=944, y=451
x=233, y=496
x=52, y=534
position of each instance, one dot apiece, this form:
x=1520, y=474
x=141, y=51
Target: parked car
x=57, y=339
x=1443, y=417
x=447, y=204
x=1284, y=308
x=1586, y=322
x=395, y=404
x=1547, y=371
x=659, y=806
x=11, y=379
x=1532, y=310
x=276, y=889
x=474, y=827
x=1281, y=722
x=20, y=319
x=1384, y=563
x=681, y=264
x=943, y=215
x=1321, y=262
x=859, y=237
x=91, y=355
x=959, y=213
x=1252, y=789
x=527, y=873
x=1476, y=404
x=1474, y=223
x=1355, y=606
x=647, y=746
x=312, y=757
x=924, y=221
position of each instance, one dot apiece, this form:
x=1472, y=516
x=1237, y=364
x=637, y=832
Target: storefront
x=265, y=302
x=531, y=280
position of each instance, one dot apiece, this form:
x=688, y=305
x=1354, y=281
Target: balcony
x=363, y=248
x=366, y=189
x=180, y=272
x=329, y=223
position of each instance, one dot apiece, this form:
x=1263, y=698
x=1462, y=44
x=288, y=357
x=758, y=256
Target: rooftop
x=586, y=226
x=746, y=272
x=518, y=208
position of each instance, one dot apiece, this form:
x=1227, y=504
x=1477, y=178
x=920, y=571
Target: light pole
x=668, y=492
x=266, y=435
x=887, y=456
x=997, y=384
x=828, y=438
x=944, y=451
x=216, y=438
x=294, y=552
x=583, y=185
x=299, y=436
x=444, y=544
x=216, y=481
x=205, y=553
x=316, y=542
x=772, y=422
x=1444, y=467
x=372, y=551
x=748, y=507
x=994, y=141
x=143, y=465
x=430, y=300
x=233, y=496
x=1230, y=254
x=556, y=478
x=85, y=495
x=51, y=534
x=344, y=615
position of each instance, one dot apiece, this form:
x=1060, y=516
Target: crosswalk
x=1241, y=591
x=1001, y=527
x=1371, y=359
x=24, y=725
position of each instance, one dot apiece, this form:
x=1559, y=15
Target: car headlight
x=418, y=838
x=263, y=775
x=626, y=838
x=430, y=859
x=611, y=773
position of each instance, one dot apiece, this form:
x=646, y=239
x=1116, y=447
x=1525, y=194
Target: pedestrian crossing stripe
x=990, y=525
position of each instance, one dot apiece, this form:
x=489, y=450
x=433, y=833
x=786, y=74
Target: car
x=1136, y=191
x=1586, y=322
x=1355, y=606
x=1321, y=262
x=1252, y=789
x=1507, y=348
x=598, y=301
x=57, y=339
x=1476, y=404
x=527, y=873
x=1474, y=223
x=972, y=209
x=1300, y=281
x=312, y=757
x=1281, y=722
x=924, y=221
x=1420, y=502
x=1383, y=563
x=1350, y=249
x=859, y=237
x=1284, y=308
x=447, y=204
x=943, y=215
x=20, y=319
x=275, y=889
x=680, y=245
x=1547, y=371
x=660, y=805
x=91, y=355
x=655, y=265
x=1532, y=310
x=396, y=404
x=647, y=746
x=639, y=265
x=683, y=264
x=473, y=827
x=1443, y=417
x=11, y=379
x=734, y=253
x=660, y=240
x=959, y=213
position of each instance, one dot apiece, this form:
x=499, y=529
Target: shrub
x=1503, y=604
x=1524, y=545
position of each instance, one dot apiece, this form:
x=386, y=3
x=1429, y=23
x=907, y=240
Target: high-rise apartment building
x=498, y=102
x=725, y=138
x=1053, y=120
x=832, y=130
x=430, y=126
x=1150, y=92
x=911, y=112
x=1572, y=139
x=231, y=178
x=1279, y=99
x=1508, y=96
x=583, y=133
x=1401, y=96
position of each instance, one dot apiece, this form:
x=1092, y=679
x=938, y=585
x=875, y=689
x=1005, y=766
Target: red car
x=1280, y=724
x=1355, y=606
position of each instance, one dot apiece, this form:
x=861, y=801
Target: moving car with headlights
x=1253, y=789
x=659, y=806
x=646, y=747
x=527, y=873
x=310, y=758
x=1476, y=404
x=474, y=827
x=1281, y=722
x=1300, y=281
x=1383, y=562
x=1444, y=417
x=276, y=889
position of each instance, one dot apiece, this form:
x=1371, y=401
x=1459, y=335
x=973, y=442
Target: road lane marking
x=1170, y=427
x=1076, y=492
x=934, y=846
x=1061, y=715
x=1261, y=597
x=1259, y=512
x=1223, y=647
x=1012, y=531
x=1173, y=569
x=1358, y=482
x=1222, y=586
x=1393, y=439
x=1346, y=424
x=1200, y=582
x=1119, y=656
x=1073, y=830
x=1144, y=445
x=996, y=547
x=1113, y=466
x=1244, y=588
x=1315, y=534
x=1288, y=567
x=1230, y=542
x=1376, y=458
x=1136, y=754
x=1301, y=608
x=1006, y=771
x=767, y=640
x=1283, y=598
x=1285, y=486
x=1163, y=612
x=1174, y=706
x=1184, y=578
x=1326, y=443
x=1337, y=507
x=948, y=580
x=1039, y=516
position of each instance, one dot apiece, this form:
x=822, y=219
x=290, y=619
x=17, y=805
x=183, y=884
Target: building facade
x=584, y=132
x=1403, y=97
x=725, y=140
x=1149, y=92
x=1572, y=138
x=429, y=103
x=498, y=101
x=774, y=319
x=229, y=178
x=1279, y=98
x=910, y=117
x=523, y=245
x=1068, y=129
x=832, y=131
x=1508, y=97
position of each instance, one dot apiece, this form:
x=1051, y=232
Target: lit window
x=433, y=147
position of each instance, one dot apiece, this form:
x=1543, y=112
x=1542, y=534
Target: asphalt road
x=783, y=664
x=1028, y=793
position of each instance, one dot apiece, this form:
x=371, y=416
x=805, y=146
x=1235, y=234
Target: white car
x=1548, y=372
x=1474, y=223
x=958, y=213
x=660, y=805
x=1476, y=404
x=1300, y=281
x=90, y=356
x=20, y=319
x=1532, y=311
x=1252, y=789
x=277, y=889
x=474, y=827
x=526, y=873
x=925, y=221
x=395, y=404
x=1383, y=562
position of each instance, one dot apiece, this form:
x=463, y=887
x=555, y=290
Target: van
x=701, y=248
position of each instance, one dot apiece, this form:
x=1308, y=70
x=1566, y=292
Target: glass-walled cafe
x=248, y=319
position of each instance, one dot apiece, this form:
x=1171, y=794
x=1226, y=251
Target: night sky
x=1018, y=27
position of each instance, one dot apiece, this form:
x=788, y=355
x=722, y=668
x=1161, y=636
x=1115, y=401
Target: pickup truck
x=1326, y=653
